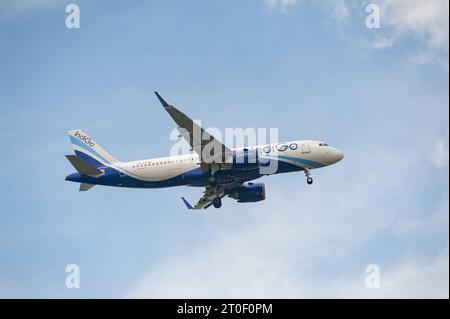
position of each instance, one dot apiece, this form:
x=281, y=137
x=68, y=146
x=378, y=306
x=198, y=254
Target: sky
x=312, y=69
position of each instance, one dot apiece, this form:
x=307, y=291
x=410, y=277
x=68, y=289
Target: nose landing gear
x=309, y=179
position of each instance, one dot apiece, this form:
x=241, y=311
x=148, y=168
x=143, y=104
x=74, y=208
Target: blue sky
x=309, y=68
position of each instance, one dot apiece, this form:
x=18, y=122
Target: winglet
x=189, y=206
x=162, y=100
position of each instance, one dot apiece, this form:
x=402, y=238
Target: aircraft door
x=305, y=148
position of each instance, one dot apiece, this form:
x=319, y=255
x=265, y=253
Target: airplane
x=223, y=172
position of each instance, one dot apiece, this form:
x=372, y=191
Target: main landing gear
x=217, y=202
x=309, y=179
x=212, y=180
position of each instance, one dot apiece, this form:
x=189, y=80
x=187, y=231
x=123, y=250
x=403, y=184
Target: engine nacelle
x=246, y=159
x=251, y=192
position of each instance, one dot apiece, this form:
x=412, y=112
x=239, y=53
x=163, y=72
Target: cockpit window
x=323, y=144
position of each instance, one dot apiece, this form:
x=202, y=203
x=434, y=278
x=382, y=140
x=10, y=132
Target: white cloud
x=440, y=152
x=337, y=9
x=281, y=5
x=424, y=21
x=413, y=279
x=409, y=278
x=10, y=8
x=268, y=261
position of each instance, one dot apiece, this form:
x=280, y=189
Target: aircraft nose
x=339, y=155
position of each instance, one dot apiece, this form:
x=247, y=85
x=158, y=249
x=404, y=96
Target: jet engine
x=249, y=193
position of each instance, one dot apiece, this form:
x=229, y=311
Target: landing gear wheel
x=309, y=179
x=217, y=202
x=212, y=181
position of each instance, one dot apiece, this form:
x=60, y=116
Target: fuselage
x=186, y=169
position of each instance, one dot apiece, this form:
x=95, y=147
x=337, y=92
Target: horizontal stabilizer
x=85, y=187
x=83, y=167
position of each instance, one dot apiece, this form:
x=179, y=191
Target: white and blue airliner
x=229, y=172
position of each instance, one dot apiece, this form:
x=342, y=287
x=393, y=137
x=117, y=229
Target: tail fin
x=87, y=149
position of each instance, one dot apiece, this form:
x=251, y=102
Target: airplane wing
x=209, y=194
x=208, y=148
